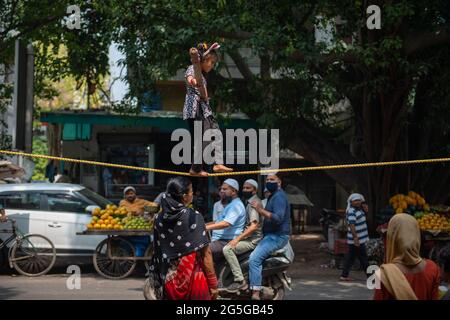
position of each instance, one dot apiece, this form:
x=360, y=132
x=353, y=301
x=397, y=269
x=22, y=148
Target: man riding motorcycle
x=276, y=230
x=273, y=254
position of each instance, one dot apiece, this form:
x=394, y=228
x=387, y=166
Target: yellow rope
x=262, y=171
x=95, y=163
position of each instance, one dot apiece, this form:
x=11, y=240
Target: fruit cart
x=432, y=242
x=129, y=239
x=433, y=220
x=435, y=229
x=115, y=257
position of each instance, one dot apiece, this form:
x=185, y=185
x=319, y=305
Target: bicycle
x=31, y=255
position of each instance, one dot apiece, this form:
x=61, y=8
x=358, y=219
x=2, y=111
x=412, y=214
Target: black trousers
x=353, y=253
x=207, y=123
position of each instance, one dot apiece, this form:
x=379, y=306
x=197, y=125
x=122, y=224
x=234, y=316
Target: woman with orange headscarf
x=406, y=276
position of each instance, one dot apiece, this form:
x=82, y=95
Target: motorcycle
x=274, y=277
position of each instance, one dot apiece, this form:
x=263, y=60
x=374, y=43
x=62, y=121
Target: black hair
x=444, y=259
x=177, y=187
x=203, y=47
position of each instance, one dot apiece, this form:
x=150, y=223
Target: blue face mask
x=272, y=186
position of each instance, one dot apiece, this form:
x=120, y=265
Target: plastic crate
x=340, y=246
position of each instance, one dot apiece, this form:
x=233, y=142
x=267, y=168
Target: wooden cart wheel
x=114, y=268
x=148, y=254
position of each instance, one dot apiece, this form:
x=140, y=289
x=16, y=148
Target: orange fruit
x=103, y=226
x=97, y=226
x=109, y=226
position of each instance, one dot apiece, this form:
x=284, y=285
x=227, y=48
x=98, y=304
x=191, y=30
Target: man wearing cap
x=230, y=223
x=276, y=230
x=246, y=241
x=133, y=204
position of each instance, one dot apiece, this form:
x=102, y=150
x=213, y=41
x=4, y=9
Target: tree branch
x=241, y=65
x=418, y=42
x=311, y=143
x=237, y=35
x=13, y=14
x=302, y=19
x=29, y=27
x=265, y=67
x=326, y=59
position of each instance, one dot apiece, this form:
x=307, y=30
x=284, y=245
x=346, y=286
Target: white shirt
x=264, y=202
x=217, y=210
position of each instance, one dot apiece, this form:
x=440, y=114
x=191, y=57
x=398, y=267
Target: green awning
x=166, y=121
x=76, y=131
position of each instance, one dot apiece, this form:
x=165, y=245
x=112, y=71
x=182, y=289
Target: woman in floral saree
x=182, y=267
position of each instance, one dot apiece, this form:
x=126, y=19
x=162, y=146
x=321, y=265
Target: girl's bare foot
x=201, y=173
x=221, y=168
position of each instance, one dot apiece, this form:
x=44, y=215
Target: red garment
x=188, y=282
x=425, y=284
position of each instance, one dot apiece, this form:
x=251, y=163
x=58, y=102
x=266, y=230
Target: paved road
x=310, y=281
x=328, y=288
x=54, y=286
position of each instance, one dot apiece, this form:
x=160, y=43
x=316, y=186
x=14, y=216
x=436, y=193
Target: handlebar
x=13, y=227
x=13, y=222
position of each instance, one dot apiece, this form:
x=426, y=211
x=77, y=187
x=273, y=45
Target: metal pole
x=29, y=99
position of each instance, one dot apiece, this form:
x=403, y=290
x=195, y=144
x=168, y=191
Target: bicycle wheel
x=114, y=268
x=33, y=255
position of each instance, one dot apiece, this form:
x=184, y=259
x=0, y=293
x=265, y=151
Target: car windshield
x=94, y=197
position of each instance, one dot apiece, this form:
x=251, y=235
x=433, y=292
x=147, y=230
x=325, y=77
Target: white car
x=55, y=210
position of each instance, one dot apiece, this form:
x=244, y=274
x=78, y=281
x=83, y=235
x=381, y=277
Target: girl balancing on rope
x=197, y=108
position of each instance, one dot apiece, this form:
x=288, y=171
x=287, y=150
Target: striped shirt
x=358, y=219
